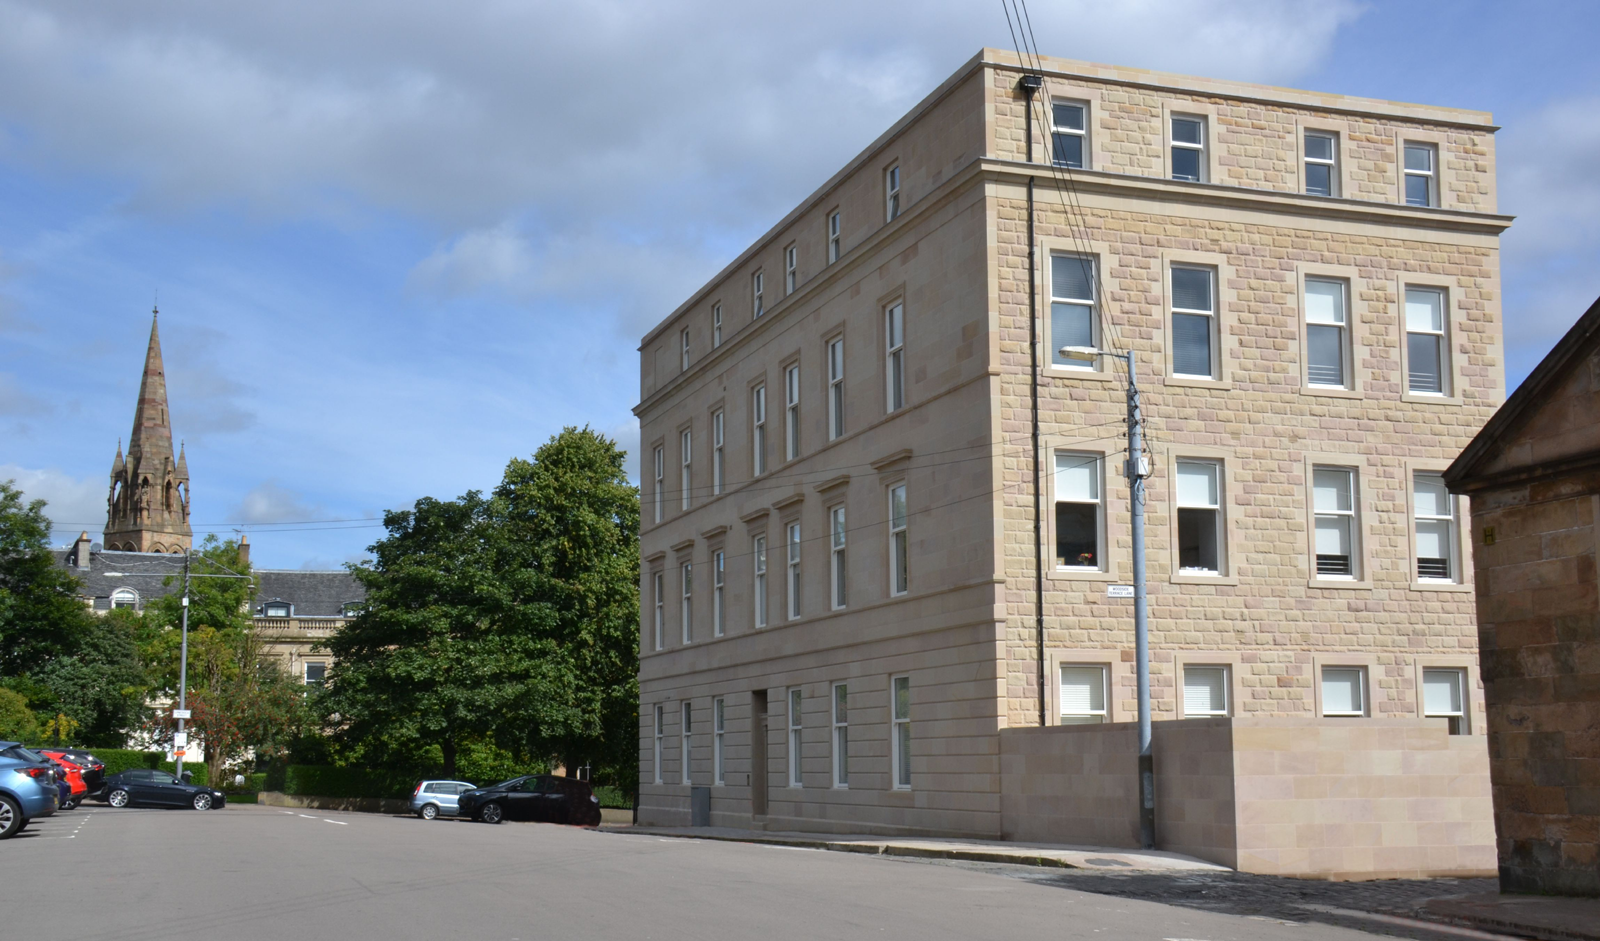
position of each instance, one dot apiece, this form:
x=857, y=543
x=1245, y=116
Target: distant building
x=875, y=597
x=1533, y=475
x=148, y=505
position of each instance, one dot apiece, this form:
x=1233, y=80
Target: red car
x=72, y=773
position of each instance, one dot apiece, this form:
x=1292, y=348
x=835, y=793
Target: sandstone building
x=1533, y=474
x=843, y=626
x=148, y=506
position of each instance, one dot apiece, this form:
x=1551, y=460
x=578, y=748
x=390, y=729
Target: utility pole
x=1136, y=470
x=181, y=741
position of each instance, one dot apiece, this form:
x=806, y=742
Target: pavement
x=987, y=851
x=254, y=873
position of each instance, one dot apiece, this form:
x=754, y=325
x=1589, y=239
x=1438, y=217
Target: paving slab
x=991, y=851
x=1545, y=917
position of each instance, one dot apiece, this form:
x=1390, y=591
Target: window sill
x=1196, y=578
x=1080, y=575
x=1419, y=585
x=1093, y=375
x=1332, y=393
x=1195, y=382
x=1339, y=583
x=1426, y=399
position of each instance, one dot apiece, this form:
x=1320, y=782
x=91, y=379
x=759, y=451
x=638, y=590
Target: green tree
x=17, y=721
x=41, y=616
x=508, y=619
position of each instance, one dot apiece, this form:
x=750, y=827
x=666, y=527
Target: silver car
x=432, y=798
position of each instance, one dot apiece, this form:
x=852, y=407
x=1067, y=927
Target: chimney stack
x=80, y=552
x=244, y=549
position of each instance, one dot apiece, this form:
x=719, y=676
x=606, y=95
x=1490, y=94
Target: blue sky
x=398, y=243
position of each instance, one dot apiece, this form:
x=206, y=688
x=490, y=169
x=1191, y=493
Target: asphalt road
x=249, y=872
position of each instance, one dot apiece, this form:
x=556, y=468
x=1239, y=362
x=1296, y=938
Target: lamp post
x=1136, y=470
x=181, y=740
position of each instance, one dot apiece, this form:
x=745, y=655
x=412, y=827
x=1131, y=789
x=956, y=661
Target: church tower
x=148, y=507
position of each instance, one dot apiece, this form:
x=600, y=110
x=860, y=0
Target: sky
x=397, y=243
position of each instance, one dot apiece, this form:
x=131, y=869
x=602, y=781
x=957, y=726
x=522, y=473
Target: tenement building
x=843, y=623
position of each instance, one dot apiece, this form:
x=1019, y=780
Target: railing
x=303, y=627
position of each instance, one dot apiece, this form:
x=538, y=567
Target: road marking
x=308, y=816
x=339, y=822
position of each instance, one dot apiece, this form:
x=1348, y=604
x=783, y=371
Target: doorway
x=758, y=754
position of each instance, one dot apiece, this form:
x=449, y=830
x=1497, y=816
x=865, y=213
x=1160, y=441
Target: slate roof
x=1466, y=473
x=312, y=594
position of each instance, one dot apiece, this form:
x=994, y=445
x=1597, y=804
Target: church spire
x=148, y=506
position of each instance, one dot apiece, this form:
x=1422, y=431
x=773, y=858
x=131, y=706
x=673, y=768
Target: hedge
x=122, y=759
x=613, y=797
x=199, y=770
x=329, y=781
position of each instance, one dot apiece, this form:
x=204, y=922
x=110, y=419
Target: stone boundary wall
x=1320, y=798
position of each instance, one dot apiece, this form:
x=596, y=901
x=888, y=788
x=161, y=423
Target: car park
x=27, y=788
x=148, y=787
x=542, y=797
x=432, y=798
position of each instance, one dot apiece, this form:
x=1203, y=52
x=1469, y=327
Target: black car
x=158, y=789
x=541, y=797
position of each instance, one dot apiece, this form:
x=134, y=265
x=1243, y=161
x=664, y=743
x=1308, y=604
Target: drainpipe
x=1029, y=85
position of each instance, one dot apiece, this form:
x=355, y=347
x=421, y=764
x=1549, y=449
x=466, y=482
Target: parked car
x=432, y=798
x=27, y=788
x=159, y=789
x=92, y=768
x=71, y=778
x=541, y=797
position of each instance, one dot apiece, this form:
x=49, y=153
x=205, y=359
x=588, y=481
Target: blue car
x=27, y=788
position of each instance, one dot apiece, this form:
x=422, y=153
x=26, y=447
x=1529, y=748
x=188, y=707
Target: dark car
x=158, y=789
x=542, y=797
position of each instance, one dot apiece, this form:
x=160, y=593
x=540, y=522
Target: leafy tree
x=508, y=619
x=41, y=615
x=17, y=721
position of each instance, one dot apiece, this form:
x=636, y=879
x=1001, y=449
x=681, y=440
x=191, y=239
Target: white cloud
x=271, y=502
x=73, y=504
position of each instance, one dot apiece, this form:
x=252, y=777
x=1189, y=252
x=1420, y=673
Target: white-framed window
x=795, y=727
x=791, y=269
x=758, y=551
x=894, y=326
x=1344, y=691
x=1201, y=547
x=1068, y=134
x=719, y=725
x=1074, y=315
x=1322, y=163
x=661, y=733
x=1327, y=334
x=1189, y=148
x=758, y=291
x=1444, y=695
x=716, y=325
x=758, y=430
x=835, y=388
x=836, y=549
x=1422, y=177
x=1194, y=322
x=657, y=583
x=900, y=703
x=1334, y=505
x=128, y=598
x=316, y=672
x=891, y=193
x=683, y=350
x=686, y=450
x=1080, y=511
x=660, y=456
x=718, y=612
x=1083, y=693
x=841, y=735
x=686, y=729
x=794, y=570
x=718, y=465
x=1434, y=516
x=1205, y=690
x=791, y=412
x=1427, y=352
x=686, y=611
x=834, y=247
x=899, y=581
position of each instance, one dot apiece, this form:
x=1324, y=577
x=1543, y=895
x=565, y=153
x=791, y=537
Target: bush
x=122, y=759
x=242, y=797
x=613, y=797
x=17, y=721
x=200, y=772
x=329, y=781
